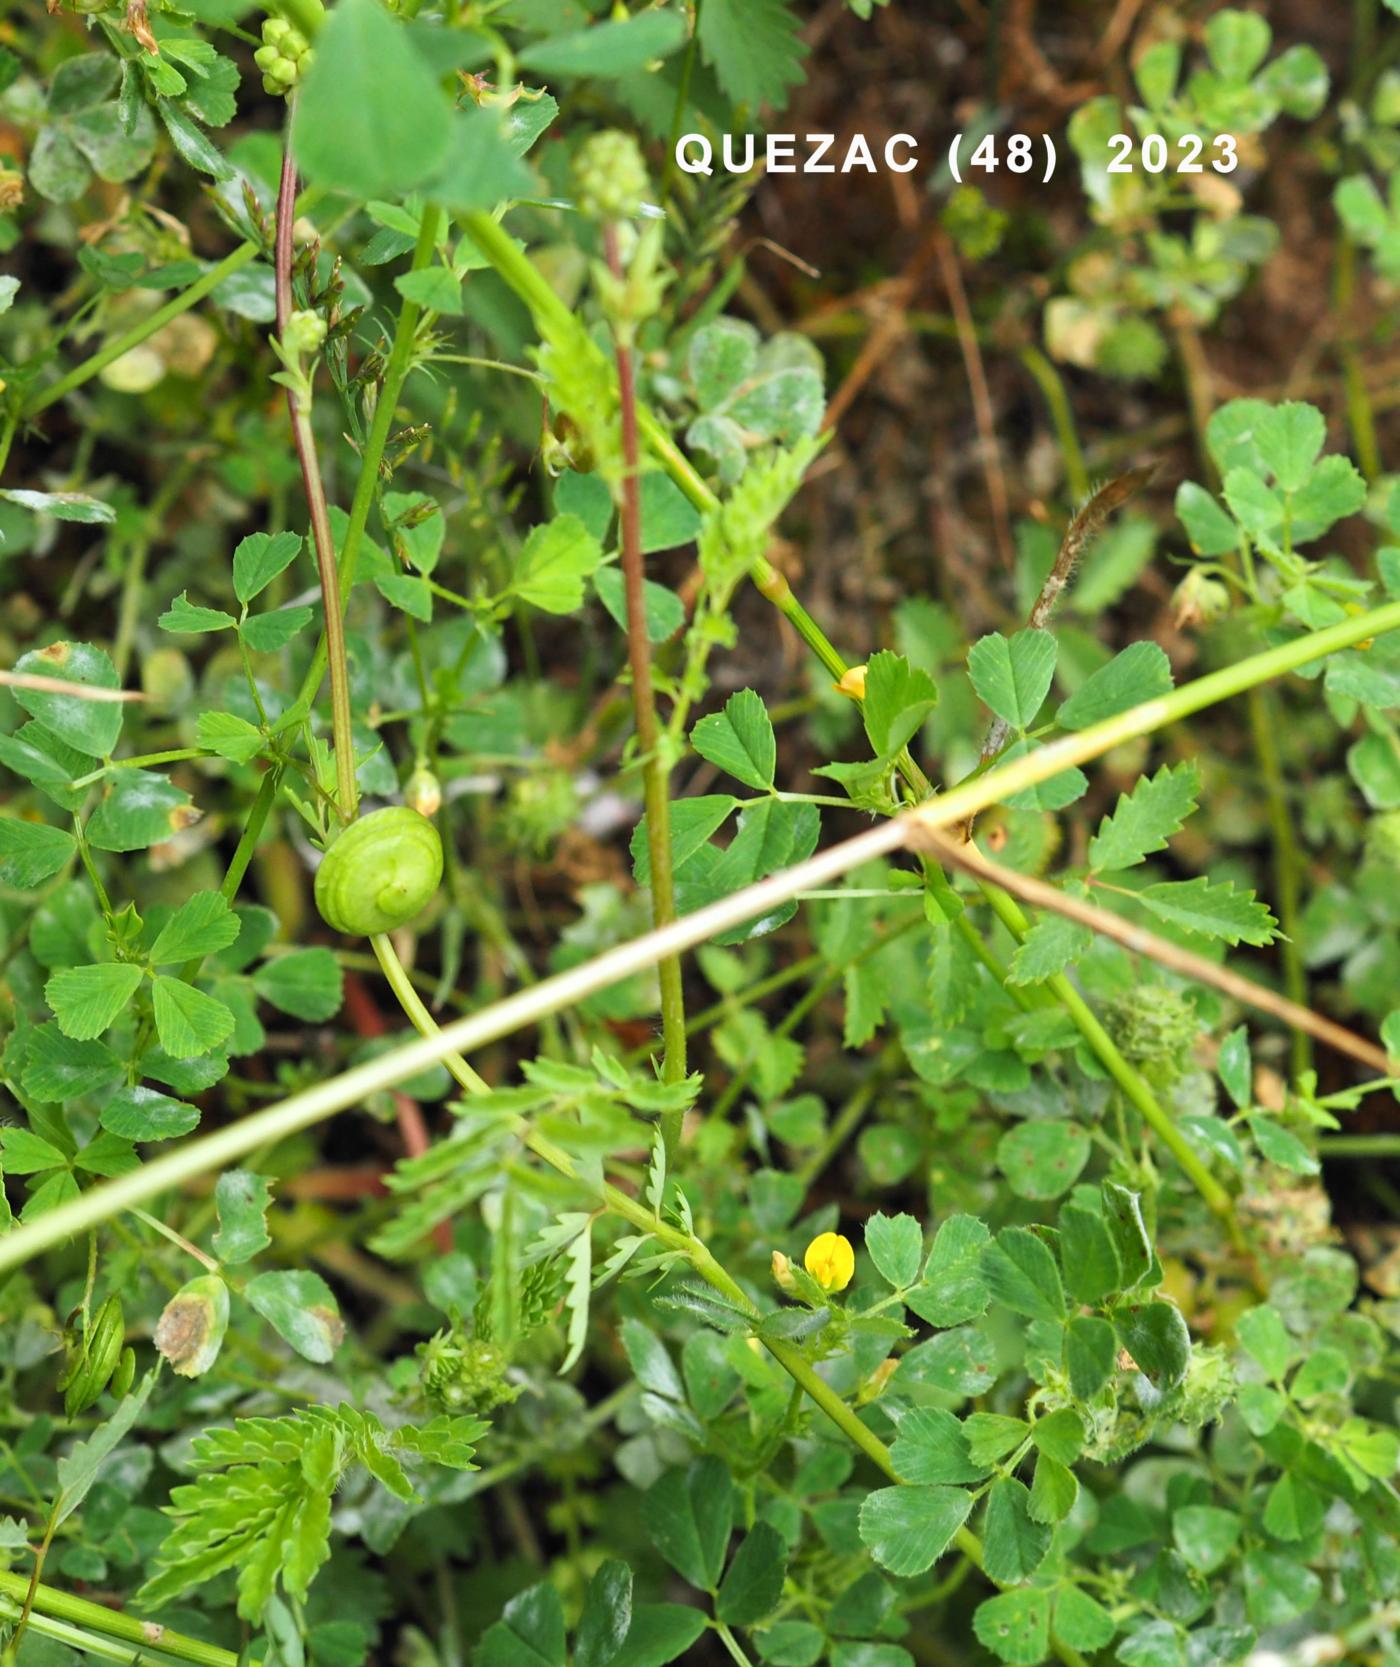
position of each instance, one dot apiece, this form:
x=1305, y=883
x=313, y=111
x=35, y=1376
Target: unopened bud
x=1199, y=599
x=423, y=792
x=852, y=683
x=874, y=1385
x=782, y=1273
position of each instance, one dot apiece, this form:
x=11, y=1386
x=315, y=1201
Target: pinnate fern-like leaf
x=261, y=1499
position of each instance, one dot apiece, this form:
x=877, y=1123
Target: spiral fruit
x=380, y=873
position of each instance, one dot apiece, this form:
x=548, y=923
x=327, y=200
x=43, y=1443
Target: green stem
x=422, y=1020
x=146, y=1635
x=846, y=1122
x=306, y=15
x=366, y=486
x=1062, y=417
x=147, y=327
x=304, y=438
x=252, y=831
x=175, y=755
x=1359, y=1145
x=1264, y=723
x=7, y=435
x=528, y=1006
x=1133, y=1085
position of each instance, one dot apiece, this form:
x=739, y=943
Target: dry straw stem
x=1172, y=956
x=58, y=686
x=527, y=1007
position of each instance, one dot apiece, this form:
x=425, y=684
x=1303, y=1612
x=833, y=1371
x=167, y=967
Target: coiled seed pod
x=380, y=873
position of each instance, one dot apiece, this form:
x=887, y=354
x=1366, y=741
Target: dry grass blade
x=59, y=686
x=1040, y=895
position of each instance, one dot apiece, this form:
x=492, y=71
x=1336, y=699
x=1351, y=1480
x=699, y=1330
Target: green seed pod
x=125, y=1374
x=101, y=1350
x=191, y=1330
x=380, y=873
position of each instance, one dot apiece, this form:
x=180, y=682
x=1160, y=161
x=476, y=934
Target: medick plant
x=409, y=1250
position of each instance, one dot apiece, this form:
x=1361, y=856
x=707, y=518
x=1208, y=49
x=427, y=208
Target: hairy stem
x=366, y=486
x=347, y=791
x=1170, y=955
x=655, y=771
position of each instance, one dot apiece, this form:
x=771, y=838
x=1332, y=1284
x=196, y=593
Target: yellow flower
x=830, y=1261
x=852, y=684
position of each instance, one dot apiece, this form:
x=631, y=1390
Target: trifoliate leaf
x=188, y=1021
x=1141, y=672
x=1013, y=674
x=86, y=1000
x=302, y=1309
x=258, y=560
x=202, y=925
x=89, y=726
x=31, y=852
x=907, y=1529
x=739, y=740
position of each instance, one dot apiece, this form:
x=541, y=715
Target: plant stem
x=306, y=15
x=298, y=408
x=655, y=771
x=366, y=486
x=143, y=330
x=1359, y=1145
x=526, y=1007
x=1183, y=962
x=7, y=435
x=422, y=1020
x=1052, y=385
x=1264, y=725
x=147, y=1636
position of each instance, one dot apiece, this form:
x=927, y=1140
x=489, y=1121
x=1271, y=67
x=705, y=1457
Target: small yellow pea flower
x=830, y=1261
x=852, y=683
